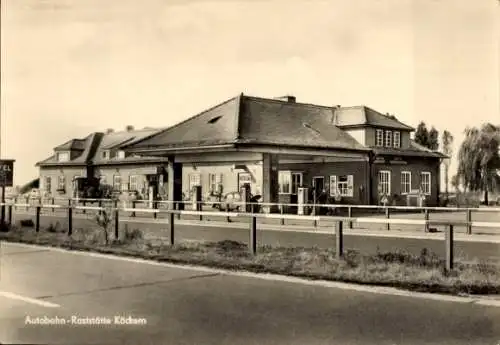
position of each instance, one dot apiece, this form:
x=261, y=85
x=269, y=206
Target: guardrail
x=313, y=209
x=338, y=221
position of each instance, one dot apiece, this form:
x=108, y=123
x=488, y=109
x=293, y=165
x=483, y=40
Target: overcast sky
x=70, y=67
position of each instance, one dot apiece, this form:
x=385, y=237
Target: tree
x=448, y=151
x=479, y=159
x=422, y=135
x=433, y=139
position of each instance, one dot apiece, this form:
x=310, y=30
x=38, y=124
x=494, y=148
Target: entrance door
x=318, y=184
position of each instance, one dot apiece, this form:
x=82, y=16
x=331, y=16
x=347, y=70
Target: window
x=47, y=186
x=121, y=154
x=296, y=182
x=244, y=178
x=124, y=187
x=285, y=182
x=425, y=182
x=194, y=180
x=405, y=182
x=214, y=182
x=61, y=182
x=388, y=138
x=342, y=185
x=384, y=182
x=105, y=154
x=397, y=139
x=63, y=156
x=132, y=182
x=117, y=182
x=380, y=138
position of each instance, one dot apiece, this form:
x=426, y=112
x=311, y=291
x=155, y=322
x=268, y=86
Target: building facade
x=351, y=155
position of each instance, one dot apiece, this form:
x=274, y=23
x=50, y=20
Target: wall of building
x=125, y=171
x=415, y=166
x=359, y=134
x=54, y=172
x=359, y=170
x=229, y=173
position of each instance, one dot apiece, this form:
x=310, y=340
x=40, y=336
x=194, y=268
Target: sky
x=70, y=67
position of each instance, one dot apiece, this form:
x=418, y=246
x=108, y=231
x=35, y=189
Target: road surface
x=172, y=305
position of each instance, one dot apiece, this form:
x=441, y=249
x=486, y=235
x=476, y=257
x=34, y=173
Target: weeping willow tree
x=479, y=160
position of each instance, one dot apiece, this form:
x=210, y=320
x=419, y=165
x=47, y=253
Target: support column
x=174, y=181
x=270, y=187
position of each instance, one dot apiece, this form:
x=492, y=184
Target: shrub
x=132, y=235
x=27, y=223
x=54, y=227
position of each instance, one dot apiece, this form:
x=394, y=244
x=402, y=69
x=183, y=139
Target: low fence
x=350, y=211
x=339, y=222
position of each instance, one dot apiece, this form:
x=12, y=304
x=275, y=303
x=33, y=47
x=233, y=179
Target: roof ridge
x=290, y=103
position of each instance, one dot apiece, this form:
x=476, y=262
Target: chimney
x=109, y=130
x=129, y=128
x=288, y=98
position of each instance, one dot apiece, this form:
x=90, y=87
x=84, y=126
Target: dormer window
x=397, y=139
x=121, y=154
x=105, y=154
x=63, y=156
x=388, y=138
x=380, y=138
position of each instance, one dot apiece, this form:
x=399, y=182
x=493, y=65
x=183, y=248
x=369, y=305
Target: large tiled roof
x=365, y=116
x=251, y=120
x=115, y=140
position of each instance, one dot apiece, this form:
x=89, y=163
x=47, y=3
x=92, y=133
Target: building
x=354, y=154
x=100, y=155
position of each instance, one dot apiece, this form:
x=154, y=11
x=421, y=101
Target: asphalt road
x=467, y=251
x=186, y=306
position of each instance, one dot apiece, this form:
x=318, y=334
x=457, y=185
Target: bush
x=133, y=235
x=27, y=223
x=54, y=227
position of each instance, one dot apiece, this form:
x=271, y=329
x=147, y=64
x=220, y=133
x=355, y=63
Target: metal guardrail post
x=10, y=214
x=171, y=227
x=100, y=206
x=426, y=218
x=84, y=203
x=133, y=206
x=339, y=240
x=199, y=207
x=117, y=222
x=37, y=219
x=282, y=221
x=155, y=207
x=469, y=220
x=349, y=214
x=388, y=216
x=449, y=248
x=253, y=234
x=53, y=203
x=70, y=220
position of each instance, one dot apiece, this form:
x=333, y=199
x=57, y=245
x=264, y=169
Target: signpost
x=6, y=180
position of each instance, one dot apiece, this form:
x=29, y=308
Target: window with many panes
x=296, y=182
x=425, y=182
x=397, y=139
x=342, y=185
x=194, y=180
x=132, y=183
x=117, y=182
x=63, y=156
x=285, y=182
x=405, y=182
x=384, y=182
x=214, y=183
x=47, y=186
x=61, y=182
x=379, y=138
x=388, y=138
